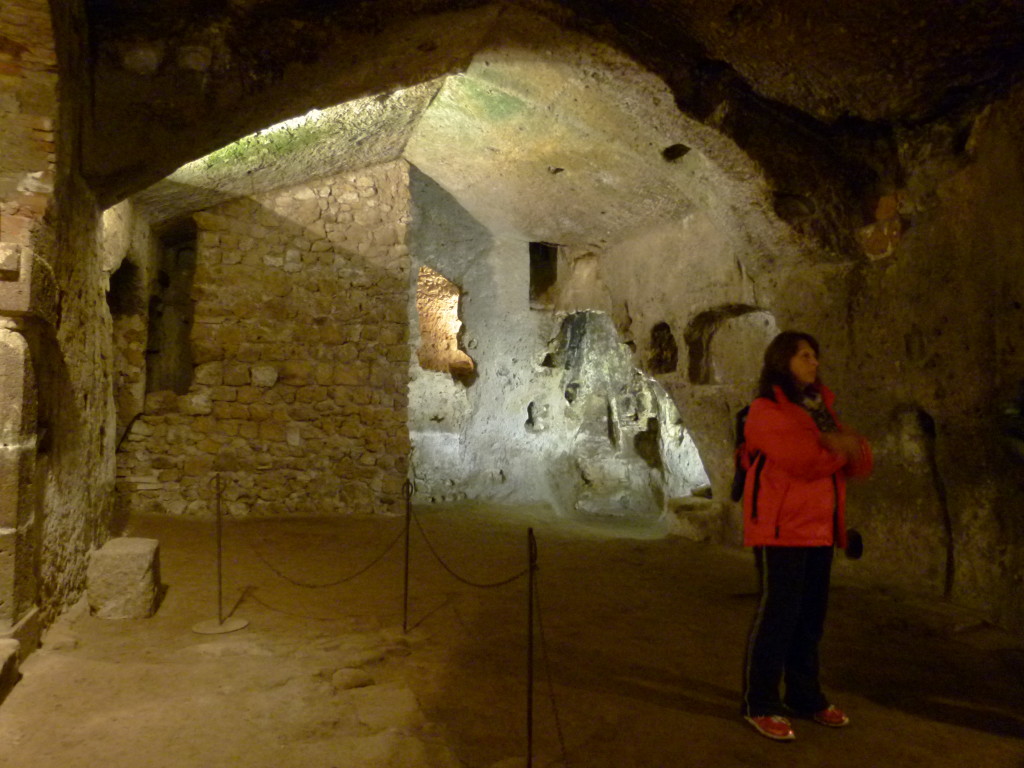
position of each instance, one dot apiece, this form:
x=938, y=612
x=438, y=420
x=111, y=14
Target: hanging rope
x=535, y=615
x=335, y=582
x=457, y=577
x=251, y=595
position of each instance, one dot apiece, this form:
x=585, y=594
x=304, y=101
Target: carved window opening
x=543, y=274
x=726, y=344
x=437, y=306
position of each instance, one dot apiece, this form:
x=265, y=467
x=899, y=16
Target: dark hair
x=775, y=372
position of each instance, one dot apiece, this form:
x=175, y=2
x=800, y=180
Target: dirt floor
x=637, y=651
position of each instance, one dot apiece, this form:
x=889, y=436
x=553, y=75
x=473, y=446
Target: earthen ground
x=640, y=656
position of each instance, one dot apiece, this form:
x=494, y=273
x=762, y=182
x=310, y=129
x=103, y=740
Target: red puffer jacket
x=795, y=493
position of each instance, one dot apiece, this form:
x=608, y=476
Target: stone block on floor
x=123, y=580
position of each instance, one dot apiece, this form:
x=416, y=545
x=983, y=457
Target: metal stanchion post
x=532, y=548
x=407, y=488
x=221, y=625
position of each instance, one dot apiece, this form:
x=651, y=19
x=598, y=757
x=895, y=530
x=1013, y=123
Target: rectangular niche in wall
x=543, y=274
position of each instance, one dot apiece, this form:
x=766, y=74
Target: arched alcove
x=664, y=356
x=920, y=527
x=736, y=348
x=726, y=344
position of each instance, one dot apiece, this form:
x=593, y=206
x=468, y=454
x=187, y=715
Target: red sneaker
x=832, y=716
x=773, y=726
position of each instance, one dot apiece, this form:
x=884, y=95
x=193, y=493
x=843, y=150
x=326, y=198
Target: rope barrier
x=531, y=547
x=335, y=582
x=534, y=613
x=407, y=488
x=251, y=595
x=457, y=577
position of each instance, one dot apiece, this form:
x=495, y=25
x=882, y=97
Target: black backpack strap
x=740, y=463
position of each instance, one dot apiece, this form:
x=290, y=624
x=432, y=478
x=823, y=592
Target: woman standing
x=793, y=505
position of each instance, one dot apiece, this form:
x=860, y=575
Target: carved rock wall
x=935, y=370
x=668, y=277
x=921, y=343
x=558, y=414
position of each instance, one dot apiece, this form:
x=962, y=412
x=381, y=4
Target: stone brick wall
x=17, y=455
x=28, y=104
x=28, y=86
x=300, y=345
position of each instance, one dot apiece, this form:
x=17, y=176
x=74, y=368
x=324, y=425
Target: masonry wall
x=27, y=165
x=56, y=458
x=53, y=298
x=300, y=350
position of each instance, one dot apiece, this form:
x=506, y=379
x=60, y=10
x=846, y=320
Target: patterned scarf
x=815, y=406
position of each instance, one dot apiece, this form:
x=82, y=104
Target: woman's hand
x=846, y=443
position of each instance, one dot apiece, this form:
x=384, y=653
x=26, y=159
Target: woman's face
x=804, y=365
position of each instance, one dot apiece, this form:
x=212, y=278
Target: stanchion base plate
x=214, y=627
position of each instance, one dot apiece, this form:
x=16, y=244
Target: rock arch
x=725, y=344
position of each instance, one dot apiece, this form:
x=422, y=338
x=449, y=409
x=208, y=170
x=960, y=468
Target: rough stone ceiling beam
x=347, y=137
x=553, y=135
x=168, y=96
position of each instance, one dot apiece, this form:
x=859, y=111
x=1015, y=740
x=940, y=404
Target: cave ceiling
x=530, y=139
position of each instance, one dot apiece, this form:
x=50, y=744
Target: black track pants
x=783, y=645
